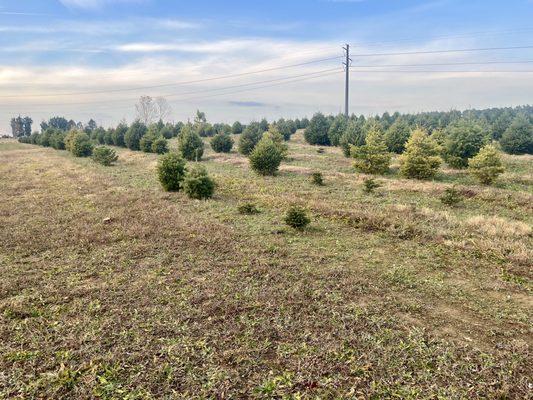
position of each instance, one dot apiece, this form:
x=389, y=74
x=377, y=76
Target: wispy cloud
x=94, y=4
x=24, y=14
x=105, y=27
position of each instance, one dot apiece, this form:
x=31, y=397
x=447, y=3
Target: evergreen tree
x=337, y=129
x=274, y=134
x=118, y=134
x=317, y=130
x=250, y=137
x=420, y=159
x=236, y=128
x=397, y=135
x=373, y=157
x=134, y=134
x=190, y=144
x=486, y=165
x=518, y=138
x=266, y=157
x=354, y=135
x=464, y=138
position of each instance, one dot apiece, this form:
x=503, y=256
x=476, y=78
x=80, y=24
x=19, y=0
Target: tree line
x=511, y=128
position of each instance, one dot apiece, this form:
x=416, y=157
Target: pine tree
x=486, y=165
x=397, y=135
x=190, y=145
x=373, y=157
x=317, y=130
x=266, y=157
x=354, y=135
x=464, y=140
x=420, y=159
x=337, y=129
x=518, y=138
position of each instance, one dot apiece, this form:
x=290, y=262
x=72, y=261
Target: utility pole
x=347, y=80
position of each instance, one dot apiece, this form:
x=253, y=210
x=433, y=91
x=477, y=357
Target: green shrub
x=160, y=145
x=145, y=144
x=223, y=129
x=317, y=178
x=99, y=135
x=190, y=144
x=249, y=138
x=370, y=184
x=439, y=136
x=397, y=136
x=451, y=197
x=354, y=135
x=79, y=144
x=337, y=129
x=57, y=140
x=203, y=129
x=108, y=137
x=176, y=129
x=486, y=165
x=171, y=171
x=44, y=138
x=154, y=129
x=167, y=132
x=274, y=134
x=34, y=138
x=373, y=157
x=248, y=209
x=266, y=157
x=317, y=130
x=104, y=155
x=284, y=128
x=297, y=218
x=118, y=135
x=133, y=135
x=198, y=184
x=518, y=137
x=236, y=128
x=464, y=138
x=420, y=159
x=263, y=124
x=222, y=143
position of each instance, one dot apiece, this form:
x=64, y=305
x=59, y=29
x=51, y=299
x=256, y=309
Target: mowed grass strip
x=112, y=288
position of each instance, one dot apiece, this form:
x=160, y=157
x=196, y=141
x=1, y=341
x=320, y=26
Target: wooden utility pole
x=347, y=80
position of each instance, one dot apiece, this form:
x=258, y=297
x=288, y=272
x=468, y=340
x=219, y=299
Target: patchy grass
x=112, y=288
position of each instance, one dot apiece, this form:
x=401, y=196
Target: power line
x=286, y=81
x=442, y=51
x=447, y=71
x=201, y=90
x=443, y=64
x=176, y=83
x=461, y=35
x=267, y=86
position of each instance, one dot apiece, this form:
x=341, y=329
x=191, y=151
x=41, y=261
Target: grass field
x=114, y=289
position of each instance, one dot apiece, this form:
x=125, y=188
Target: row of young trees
x=511, y=127
x=422, y=157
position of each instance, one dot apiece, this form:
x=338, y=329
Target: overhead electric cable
x=172, y=84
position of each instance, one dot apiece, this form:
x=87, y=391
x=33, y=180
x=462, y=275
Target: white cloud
x=104, y=28
x=94, y=4
x=154, y=63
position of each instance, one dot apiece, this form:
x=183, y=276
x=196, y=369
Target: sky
x=245, y=60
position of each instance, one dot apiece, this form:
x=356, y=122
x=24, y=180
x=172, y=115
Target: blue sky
x=75, y=48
